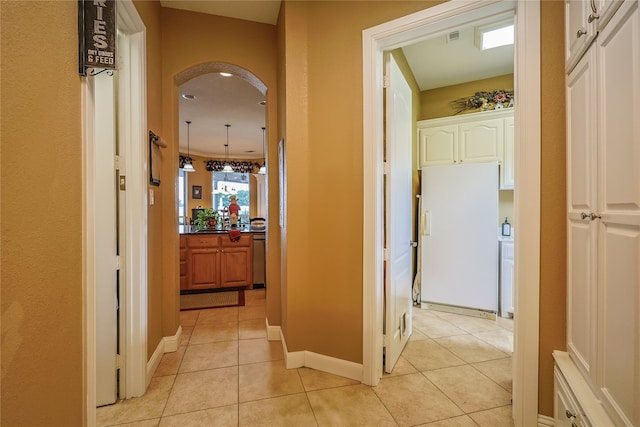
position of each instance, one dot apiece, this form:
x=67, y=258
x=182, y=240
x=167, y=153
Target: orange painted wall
x=553, y=219
x=41, y=216
x=323, y=113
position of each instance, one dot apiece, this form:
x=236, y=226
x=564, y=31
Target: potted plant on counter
x=207, y=218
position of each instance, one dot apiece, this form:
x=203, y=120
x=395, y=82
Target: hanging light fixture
x=188, y=167
x=227, y=166
x=263, y=168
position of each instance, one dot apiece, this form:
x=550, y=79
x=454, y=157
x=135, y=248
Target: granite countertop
x=190, y=229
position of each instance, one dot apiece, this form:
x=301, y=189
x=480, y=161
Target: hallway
x=455, y=371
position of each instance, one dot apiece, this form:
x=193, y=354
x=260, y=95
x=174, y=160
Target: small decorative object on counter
x=207, y=218
x=234, y=211
x=506, y=227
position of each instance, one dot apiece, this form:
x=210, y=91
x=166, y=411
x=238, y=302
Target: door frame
x=409, y=29
x=132, y=105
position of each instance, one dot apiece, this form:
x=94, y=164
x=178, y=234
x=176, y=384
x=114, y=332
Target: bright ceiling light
x=492, y=36
x=226, y=74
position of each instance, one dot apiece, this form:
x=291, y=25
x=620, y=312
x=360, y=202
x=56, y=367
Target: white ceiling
x=220, y=100
x=438, y=63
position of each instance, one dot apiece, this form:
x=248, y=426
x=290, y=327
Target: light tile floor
x=454, y=372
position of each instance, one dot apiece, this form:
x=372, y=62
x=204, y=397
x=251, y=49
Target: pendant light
x=263, y=168
x=227, y=166
x=188, y=167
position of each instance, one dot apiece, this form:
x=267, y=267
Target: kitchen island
x=211, y=260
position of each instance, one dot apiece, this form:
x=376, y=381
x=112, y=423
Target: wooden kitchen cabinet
x=184, y=268
x=236, y=262
x=214, y=261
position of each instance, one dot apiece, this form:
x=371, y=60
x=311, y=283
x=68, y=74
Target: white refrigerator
x=459, y=236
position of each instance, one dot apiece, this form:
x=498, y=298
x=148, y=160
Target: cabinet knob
x=584, y=215
x=593, y=17
x=593, y=216
x=581, y=32
x=569, y=414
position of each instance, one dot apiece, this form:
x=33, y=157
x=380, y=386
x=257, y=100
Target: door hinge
x=386, y=340
x=386, y=81
x=119, y=163
x=123, y=182
x=387, y=254
x=117, y=262
x=118, y=361
x=386, y=168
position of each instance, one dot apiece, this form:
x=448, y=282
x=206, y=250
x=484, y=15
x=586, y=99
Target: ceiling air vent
x=453, y=36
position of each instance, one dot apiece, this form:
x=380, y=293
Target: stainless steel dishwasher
x=259, y=260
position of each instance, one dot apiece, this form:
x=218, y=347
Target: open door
x=398, y=213
x=105, y=239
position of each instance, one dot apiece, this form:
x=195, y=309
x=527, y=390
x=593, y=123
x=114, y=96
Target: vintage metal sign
x=97, y=26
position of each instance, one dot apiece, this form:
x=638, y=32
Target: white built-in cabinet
x=603, y=232
x=583, y=20
x=506, y=278
x=469, y=138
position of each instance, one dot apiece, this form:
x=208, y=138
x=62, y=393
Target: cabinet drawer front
x=245, y=240
x=203, y=241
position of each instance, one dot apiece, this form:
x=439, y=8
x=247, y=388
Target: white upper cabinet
x=438, y=145
x=481, y=141
x=605, y=10
x=583, y=20
x=469, y=138
x=580, y=29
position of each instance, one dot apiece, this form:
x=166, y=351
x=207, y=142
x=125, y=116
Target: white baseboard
x=321, y=362
x=166, y=345
x=273, y=332
x=544, y=421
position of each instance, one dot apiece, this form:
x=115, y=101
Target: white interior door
x=104, y=199
x=398, y=280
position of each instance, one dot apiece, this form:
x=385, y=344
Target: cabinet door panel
x=581, y=132
x=438, y=145
x=581, y=295
x=481, y=141
x=204, y=269
x=619, y=83
x=235, y=267
x=620, y=323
